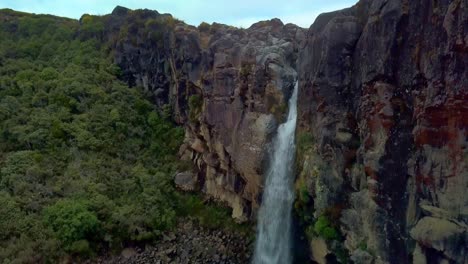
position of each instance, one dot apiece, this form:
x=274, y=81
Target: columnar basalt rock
x=384, y=89
x=229, y=87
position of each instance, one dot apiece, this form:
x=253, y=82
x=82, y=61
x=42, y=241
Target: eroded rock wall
x=229, y=87
x=383, y=118
x=384, y=115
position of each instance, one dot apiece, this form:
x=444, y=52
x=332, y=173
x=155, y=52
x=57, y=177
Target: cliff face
x=229, y=87
x=382, y=129
x=384, y=92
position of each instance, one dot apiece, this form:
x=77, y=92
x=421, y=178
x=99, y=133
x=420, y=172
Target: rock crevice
x=229, y=87
x=382, y=127
x=378, y=83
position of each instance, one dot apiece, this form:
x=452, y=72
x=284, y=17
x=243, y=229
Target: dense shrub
x=324, y=229
x=304, y=142
x=204, y=27
x=86, y=163
x=195, y=104
x=208, y=214
x=73, y=222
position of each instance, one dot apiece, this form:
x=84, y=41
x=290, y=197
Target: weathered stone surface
x=383, y=96
x=244, y=78
x=383, y=93
x=362, y=257
x=418, y=256
x=190, y=243
x=444, y=236
x=186, y=181
x=319, y=250
x=128, y=253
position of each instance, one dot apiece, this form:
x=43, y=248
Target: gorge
x=374, y=172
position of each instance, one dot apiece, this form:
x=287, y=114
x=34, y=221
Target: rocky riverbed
x=190, y=243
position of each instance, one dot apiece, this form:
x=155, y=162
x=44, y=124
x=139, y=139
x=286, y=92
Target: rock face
x=189, y=243
x=382, y=129
x=186, y=181
x=229, y=87
x=384, y=95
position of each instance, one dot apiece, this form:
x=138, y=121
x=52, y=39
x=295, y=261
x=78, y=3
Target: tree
x=72, y=221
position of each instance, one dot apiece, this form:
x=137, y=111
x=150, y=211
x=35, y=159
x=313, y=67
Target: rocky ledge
x=189, y=243
x=382, y=119
x=383, y=122
x=228, y=86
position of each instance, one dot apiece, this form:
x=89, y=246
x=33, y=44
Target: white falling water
x=273, y=245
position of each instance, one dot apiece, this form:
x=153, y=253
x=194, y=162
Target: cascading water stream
x=273, y=244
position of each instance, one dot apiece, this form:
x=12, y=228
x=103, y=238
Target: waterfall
x=273, y=244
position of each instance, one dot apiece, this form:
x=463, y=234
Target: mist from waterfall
x=273, y=244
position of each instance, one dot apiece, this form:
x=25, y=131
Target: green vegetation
x=156, y=28
x=246, y=71
x=326, y=226
x=323, y=228
x=340, y=252
x=138, y=26
x=73, y=222
x=275, y=105
x=363, y=245
x=304, y=142
x=204, y=27
x=86, y=162
x=91, y=26
x=304, y=146
x=195, y=104
x=303, y=203
x=209, y=214
x=279, y=110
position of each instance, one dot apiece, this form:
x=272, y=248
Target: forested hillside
x=101, y=117
x=86, y=163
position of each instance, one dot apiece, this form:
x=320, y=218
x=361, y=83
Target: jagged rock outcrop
x=229, y=87
x=382, y=136
x=188, y=243
x=383, y=93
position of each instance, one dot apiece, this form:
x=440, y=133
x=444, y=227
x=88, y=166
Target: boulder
x=128, y=253
x=186, y=181
x=319, y=250
x=444, y=236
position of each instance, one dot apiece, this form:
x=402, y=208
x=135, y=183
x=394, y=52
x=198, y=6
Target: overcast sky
x=241, y=13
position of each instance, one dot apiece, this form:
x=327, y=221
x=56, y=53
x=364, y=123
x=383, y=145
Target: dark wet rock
x=382, y=95
x=383, y=92
x=229, y=87
x=186, y=181
x=120, y=11
x=444, y=236
x=128, y=253
x=184, y=245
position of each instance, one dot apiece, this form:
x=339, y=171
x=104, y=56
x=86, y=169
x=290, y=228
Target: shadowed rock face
x=229, y=87
x=384, y=92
